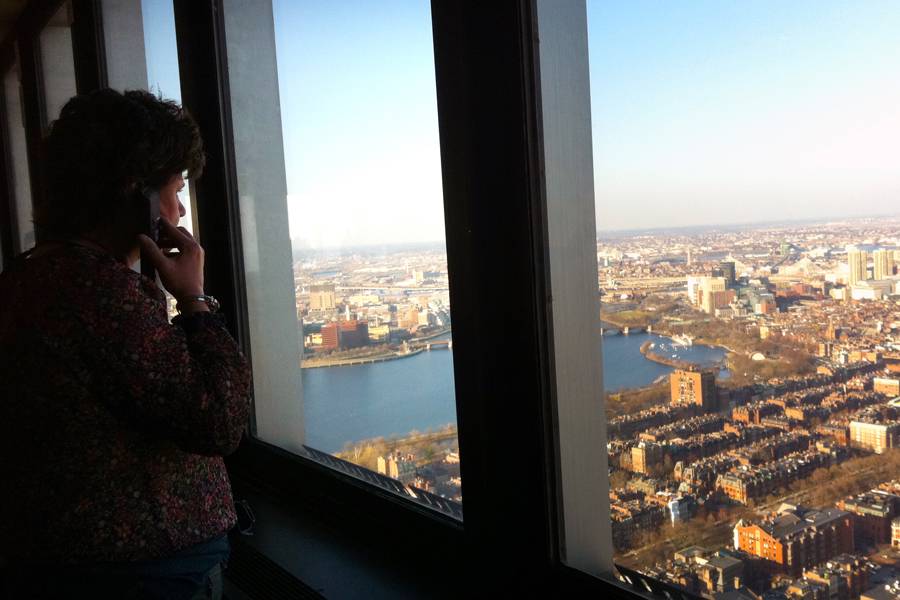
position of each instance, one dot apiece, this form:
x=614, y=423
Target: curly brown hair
x=105, y=147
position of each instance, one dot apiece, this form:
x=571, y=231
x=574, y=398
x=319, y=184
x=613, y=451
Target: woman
x=114, y=421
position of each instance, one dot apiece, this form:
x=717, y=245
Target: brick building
x=876, y=437
x=872, y=515
x=354, y=334
x=796, y=539
x=696, y=388
x=331, y=336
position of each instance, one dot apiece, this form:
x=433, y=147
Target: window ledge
x=338, y=565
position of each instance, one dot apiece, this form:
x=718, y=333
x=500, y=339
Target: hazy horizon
x=707, y=113
x=704, y=113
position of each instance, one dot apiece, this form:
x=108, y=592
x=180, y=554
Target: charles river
x=344, y=404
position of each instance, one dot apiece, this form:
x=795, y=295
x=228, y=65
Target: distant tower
x=857, y=260
x=884, y=263
x=728, y=272
x=693, y=388
x=689, y=260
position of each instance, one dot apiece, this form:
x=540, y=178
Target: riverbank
x=365, y=360
x=412, y=344
x=431, y=336
x=675, y=363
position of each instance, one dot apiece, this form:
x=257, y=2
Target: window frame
x=8, y=214
x=489, y=195
x=21, y=47
x=488, y=92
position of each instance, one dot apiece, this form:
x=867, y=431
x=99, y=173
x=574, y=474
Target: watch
x=210, y=301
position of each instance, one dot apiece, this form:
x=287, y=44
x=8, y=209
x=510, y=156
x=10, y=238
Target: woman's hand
x=181, y=273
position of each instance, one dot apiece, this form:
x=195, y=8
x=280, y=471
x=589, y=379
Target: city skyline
x=702, y=115
x=708, y=114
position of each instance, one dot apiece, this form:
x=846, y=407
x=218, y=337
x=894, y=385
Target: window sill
x=335, y=557
x=335, y=564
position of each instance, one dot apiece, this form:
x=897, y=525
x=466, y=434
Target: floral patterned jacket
x=113, y=422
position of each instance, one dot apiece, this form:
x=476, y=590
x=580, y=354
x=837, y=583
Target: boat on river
x=683, y=340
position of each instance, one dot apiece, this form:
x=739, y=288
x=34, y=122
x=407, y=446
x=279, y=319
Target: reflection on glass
x=746, y=198
x=365, y=206
x=21, y=184
x=57, y=61
x=163, y=76
x=163, y=79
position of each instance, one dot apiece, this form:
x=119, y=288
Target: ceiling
x=9, y=12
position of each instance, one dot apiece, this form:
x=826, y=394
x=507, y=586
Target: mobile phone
x=150, y=227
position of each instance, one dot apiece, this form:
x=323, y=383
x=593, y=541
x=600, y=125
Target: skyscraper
x=857, y=260
x=728, y=272
x=883, y=261
x=321, y=297
x=693, y=387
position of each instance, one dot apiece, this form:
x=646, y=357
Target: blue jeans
x=195, y=573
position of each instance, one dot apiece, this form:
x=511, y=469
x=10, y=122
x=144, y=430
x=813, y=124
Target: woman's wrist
x=189, y=306
x=194, y=303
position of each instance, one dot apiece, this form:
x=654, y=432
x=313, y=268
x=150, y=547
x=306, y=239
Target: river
x=343, y=404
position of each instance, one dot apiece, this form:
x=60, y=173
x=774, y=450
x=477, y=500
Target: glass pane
x=21, y=184
x=359, y=205
x=156, y=63
x=57, y=61
x=746, y=179
x=163, y=75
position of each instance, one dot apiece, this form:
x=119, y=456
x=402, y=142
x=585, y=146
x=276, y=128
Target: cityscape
x=751, y=371
x=754, y=451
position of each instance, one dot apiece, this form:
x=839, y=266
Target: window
x=339, y=182
x=18, y=161
x=747, y=241
x=57, y=62
x=142, y=53
x=524, y=282
x=161, y=51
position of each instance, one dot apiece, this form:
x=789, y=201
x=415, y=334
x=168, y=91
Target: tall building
x=858, y=262
x=354, y=334
x=876, y=437
x=728, y=271
x=693, y=288
x=694, y=387
x=321, y=297
x=331, y=336
x=717, y=299
x=883, y=261
x=645, y=456
x=709, y=298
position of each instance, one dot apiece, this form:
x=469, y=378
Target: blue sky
x=162, y=69
x=160, y=48
x=726, y=111
x=359, y=113
x=702, y=113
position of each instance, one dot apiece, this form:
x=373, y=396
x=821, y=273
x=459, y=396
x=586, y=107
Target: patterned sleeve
x=187, y=381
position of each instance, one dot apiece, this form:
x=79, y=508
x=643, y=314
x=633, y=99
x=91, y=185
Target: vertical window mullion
x=487, y=95
x=568, y=180
x=204, y=90
x=88, y=46
x=7, y=198
x=34, y=109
